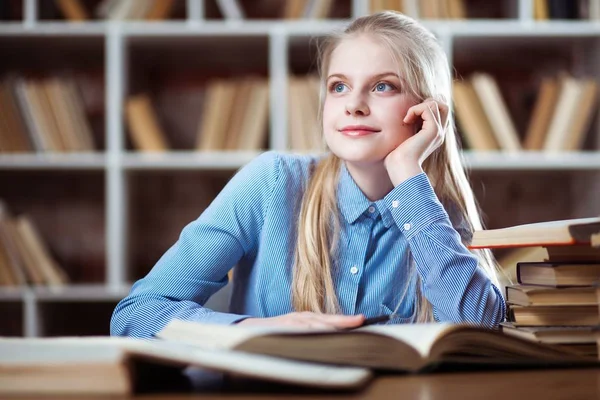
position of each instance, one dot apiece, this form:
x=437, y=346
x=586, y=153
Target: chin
x=359, y=156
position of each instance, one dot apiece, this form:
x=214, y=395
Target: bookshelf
x=107, y=215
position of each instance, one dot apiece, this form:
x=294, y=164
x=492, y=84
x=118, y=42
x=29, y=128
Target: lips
x=358, y=130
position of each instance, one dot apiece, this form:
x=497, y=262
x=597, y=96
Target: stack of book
x=555, y=297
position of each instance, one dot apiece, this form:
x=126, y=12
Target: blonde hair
x=424, y=66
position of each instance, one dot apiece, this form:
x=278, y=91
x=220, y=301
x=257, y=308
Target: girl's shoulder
x=287, y=166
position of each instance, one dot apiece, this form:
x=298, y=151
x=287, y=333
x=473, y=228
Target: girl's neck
x=372, y=179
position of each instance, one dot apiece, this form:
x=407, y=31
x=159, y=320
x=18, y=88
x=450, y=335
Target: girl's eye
x=339, y=87
x=384, y=87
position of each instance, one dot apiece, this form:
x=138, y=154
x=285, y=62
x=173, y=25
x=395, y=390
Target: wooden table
x=545, y=384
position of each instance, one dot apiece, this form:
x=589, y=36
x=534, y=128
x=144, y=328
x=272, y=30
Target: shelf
x=77, y=293
x=97, y=211
x=10, y=293
x=80, y=293
x=232, y=160
x=532, y=161
x=475, y=27
x=53, y=161
x=190, y=160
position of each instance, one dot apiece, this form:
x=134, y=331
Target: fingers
x=325, y=321
x=429, y=110
x=345, y=321
x=309, y=320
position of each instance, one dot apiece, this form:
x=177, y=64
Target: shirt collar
x=352, y=202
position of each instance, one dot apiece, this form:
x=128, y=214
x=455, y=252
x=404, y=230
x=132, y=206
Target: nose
x=357, y=106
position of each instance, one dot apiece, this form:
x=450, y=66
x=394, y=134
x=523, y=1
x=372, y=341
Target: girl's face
x=365, y=103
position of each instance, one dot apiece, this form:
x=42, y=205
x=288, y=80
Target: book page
x=253, y=365
x=420, y=336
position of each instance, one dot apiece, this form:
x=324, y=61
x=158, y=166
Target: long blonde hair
x=424, y=66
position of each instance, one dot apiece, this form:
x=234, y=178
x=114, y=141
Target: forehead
x=362, y=55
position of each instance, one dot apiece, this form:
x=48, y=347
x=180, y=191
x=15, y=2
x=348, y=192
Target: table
x=546, y=384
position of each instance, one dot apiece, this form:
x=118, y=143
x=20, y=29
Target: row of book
x=234, y=116
x=425, y=9
x=76, y=10
x=304, y=133
x=43, y=115
x=560, y=9
x=555, y=290
x=560, y=119
x=24, y=255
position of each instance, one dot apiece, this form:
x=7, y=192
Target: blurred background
x=120, y=120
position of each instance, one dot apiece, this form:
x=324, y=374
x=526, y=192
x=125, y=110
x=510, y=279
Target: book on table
x=549, y=233
x=329, y=359
x=109, y=366
x=392, y=347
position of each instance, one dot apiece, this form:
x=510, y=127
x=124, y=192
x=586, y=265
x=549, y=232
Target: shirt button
x=395, y=203
x=353, y=270
x=371, y=209
x=407, y=226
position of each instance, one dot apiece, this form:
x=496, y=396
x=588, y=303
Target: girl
x=378, y=225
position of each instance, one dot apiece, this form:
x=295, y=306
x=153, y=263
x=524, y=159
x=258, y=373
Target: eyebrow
x=375, y=77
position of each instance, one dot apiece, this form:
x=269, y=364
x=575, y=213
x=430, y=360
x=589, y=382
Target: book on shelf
x=150, y=10
x=145, y=129
x=73, y=10
x=562, y=114
x=548, y=233
x=496, y=111
x=235, y=114
x=438, y=9
x=43, y=115
x=475, y=126
x=303, y=104
x=560, y=119
x=541, y=114
x=24, y=256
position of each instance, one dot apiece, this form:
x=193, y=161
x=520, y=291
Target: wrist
x=404, y=172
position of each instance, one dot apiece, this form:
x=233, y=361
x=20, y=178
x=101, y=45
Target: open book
x=550, y=233
x=108, y=365
x=406, y=347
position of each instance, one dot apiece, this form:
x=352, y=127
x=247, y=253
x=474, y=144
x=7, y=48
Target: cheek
x=329, y=111
x=393, y=114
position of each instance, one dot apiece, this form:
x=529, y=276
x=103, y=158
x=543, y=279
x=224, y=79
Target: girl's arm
x=196, y=266
x=458, y=289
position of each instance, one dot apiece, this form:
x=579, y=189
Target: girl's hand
x=405, y=161
x=307, y=320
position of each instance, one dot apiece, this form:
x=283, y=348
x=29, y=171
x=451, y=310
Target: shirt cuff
x=414, y=205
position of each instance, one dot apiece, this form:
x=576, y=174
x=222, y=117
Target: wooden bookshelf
x=121, y=208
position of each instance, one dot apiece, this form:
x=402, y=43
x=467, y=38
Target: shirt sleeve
x=458, y=289
x=196, y=266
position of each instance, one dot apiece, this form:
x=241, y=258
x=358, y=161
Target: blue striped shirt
x=251, y=225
